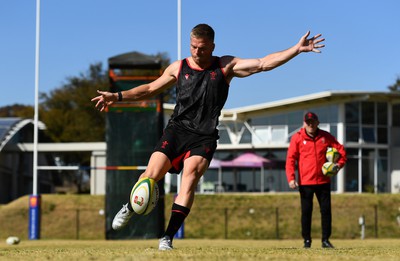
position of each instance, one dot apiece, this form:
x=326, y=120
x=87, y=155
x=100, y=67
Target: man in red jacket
x=307, y=150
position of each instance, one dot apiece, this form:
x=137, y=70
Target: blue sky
x=362, y=50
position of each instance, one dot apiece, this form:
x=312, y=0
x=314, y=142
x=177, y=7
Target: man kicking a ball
x=190, y=138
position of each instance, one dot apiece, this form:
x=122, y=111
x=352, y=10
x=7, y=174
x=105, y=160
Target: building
x=16, y=177
x=367, y=123
x=16, y=161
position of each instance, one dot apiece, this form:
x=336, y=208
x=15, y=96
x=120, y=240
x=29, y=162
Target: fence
x=381, y=221
x=284, y=223
x=236, y=223
x=73, y=224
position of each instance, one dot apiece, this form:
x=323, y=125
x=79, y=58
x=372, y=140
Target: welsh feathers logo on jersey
x=164, y=144
x=213, y=75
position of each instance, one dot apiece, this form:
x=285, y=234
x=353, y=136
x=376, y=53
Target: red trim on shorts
x=176, y=163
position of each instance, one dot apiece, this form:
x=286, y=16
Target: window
x=367, y=175
x=395, y=131
x=382, y=135
x=368, y=135
x=352, y=175
x=223, y=136
x=352, y=122
x=373, y=129
x=261, y=135
x=368, y=113
x=382, y=113
x=246, y=137
x=396, y=115
x=278, y=134
x=352, y=112
x=327, y=114
x=352, y=133
x=382, y=172
x=333, y=130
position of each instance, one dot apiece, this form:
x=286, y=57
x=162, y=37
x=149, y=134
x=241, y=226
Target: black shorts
x=178, y=144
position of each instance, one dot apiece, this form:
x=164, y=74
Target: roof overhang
x=134, y=60
x=17, y=125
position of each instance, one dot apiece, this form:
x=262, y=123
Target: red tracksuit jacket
x=309, y=154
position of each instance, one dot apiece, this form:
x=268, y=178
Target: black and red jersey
x=201, y=95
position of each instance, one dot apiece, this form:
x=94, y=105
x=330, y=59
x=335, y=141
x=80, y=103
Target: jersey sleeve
x=291, y=158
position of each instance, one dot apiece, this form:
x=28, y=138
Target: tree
x=396, y=86
x=70, y=116
x=68, y=113
x=17, y=110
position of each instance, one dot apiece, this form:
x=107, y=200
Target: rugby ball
x=144, y=196
x=332, y=155
x=329, y=169
x=12, y=240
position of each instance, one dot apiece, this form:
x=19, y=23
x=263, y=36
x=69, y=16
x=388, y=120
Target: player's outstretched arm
x=144, y=91
x=247, y=67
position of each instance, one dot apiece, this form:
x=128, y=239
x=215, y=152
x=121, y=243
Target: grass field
x=200, y=249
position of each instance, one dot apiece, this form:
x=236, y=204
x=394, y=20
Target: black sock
x=130, y=207
x=178, y=215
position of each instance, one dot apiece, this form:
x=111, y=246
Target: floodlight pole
x=179, y=29
x=36, y=115
x=34, y=199
x=180, y=233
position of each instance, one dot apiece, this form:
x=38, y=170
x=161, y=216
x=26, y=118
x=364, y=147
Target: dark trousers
x=323, y=194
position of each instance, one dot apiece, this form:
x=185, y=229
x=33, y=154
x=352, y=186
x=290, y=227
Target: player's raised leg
x=156, y=169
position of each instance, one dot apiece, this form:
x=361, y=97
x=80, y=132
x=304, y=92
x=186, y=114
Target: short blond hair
x=203, y=31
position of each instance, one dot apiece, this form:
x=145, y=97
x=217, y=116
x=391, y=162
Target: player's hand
x=293, y=184
x=104, y=99
x=336, y=168
x=311, y=44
